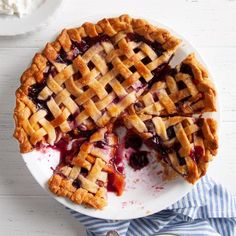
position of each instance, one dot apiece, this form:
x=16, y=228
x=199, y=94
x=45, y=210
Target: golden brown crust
x=64, y=188
x=196, y=94
x=203, y=83
x=34, y=74
x=185, y=135
x=87, y=100
x=90, y=189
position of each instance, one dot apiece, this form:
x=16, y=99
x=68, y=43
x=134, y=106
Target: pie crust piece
x=84, y=178
x=186, y=144
x=185, y=90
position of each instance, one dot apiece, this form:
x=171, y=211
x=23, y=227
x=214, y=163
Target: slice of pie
x=88, y=168
x=185, y=90
x=92, y=78
x=186, y=144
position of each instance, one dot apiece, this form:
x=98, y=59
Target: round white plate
x=14, y=25
x=146, y=193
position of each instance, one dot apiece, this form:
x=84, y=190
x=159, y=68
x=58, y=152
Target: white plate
x=14, y=25
x=146, y=193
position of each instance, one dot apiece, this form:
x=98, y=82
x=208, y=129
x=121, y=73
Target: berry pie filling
x=70, y=147
x=184, y=143
x=116, y=70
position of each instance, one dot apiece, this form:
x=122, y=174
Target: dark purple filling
x=50, y=70
x=88, y=42
x=90, y=65
x=159, y=74
x=155, y=97
x=63, y=57
x=33, y=94
x=66, y=155
x=200, y=133
x=133, y=141
x=142, y=80
x=157, y=47
x=186, y=69
x=76, y=183
x=170, y=132
x=116, y=100
x=120, y=78
x=73, y=116
x=61, y=146
x=150, y=126
x=132, y=69
x=181, y=159
x=66, y=58
x=138, y=160
x=84, y=172
x=108, y=88
x=146, y=60
x=138, y=106
x=199, y=122
x=157, y=144
x=110, y=66
x=79, y=48
x=100, y=144
x=196, y=153
x=81, y=133
x=181, y=85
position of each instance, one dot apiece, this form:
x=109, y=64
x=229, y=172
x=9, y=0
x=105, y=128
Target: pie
x=97, y=77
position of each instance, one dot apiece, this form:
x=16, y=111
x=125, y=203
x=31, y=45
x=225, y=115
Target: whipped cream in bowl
x=23, y=16
x=18, y=7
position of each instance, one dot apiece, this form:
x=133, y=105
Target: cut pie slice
x=186, y=144
x=86, y=168
x=185, y=90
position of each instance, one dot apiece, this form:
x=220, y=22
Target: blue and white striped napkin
x=209, y=209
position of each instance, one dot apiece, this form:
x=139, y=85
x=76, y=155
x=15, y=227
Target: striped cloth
x=209, y=209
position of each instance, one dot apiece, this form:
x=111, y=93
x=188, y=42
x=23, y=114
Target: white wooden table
x=25, y=209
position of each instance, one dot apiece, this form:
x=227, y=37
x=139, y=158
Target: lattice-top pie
x=112, y=73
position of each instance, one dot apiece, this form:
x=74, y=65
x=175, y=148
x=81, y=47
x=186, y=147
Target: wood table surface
x=25, y=208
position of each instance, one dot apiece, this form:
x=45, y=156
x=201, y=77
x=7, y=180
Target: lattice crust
x=117, y=68
x=185, y=90
x=84, y=181
x=186, y=144
x=91, y=73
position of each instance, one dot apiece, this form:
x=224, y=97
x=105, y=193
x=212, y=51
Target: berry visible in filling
x=157, y=47
x=181, y=159
x=133, y=141
x=158, y=145
x=150, y=126
x=159, y=73
x=138, y=160
x=196, y=153
x=170, y=132
x=100, y=144
x=33, y=94
x=88, y=42
x=181, y=85
x=76, y=183
x=186, y=69
x=69, y=146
